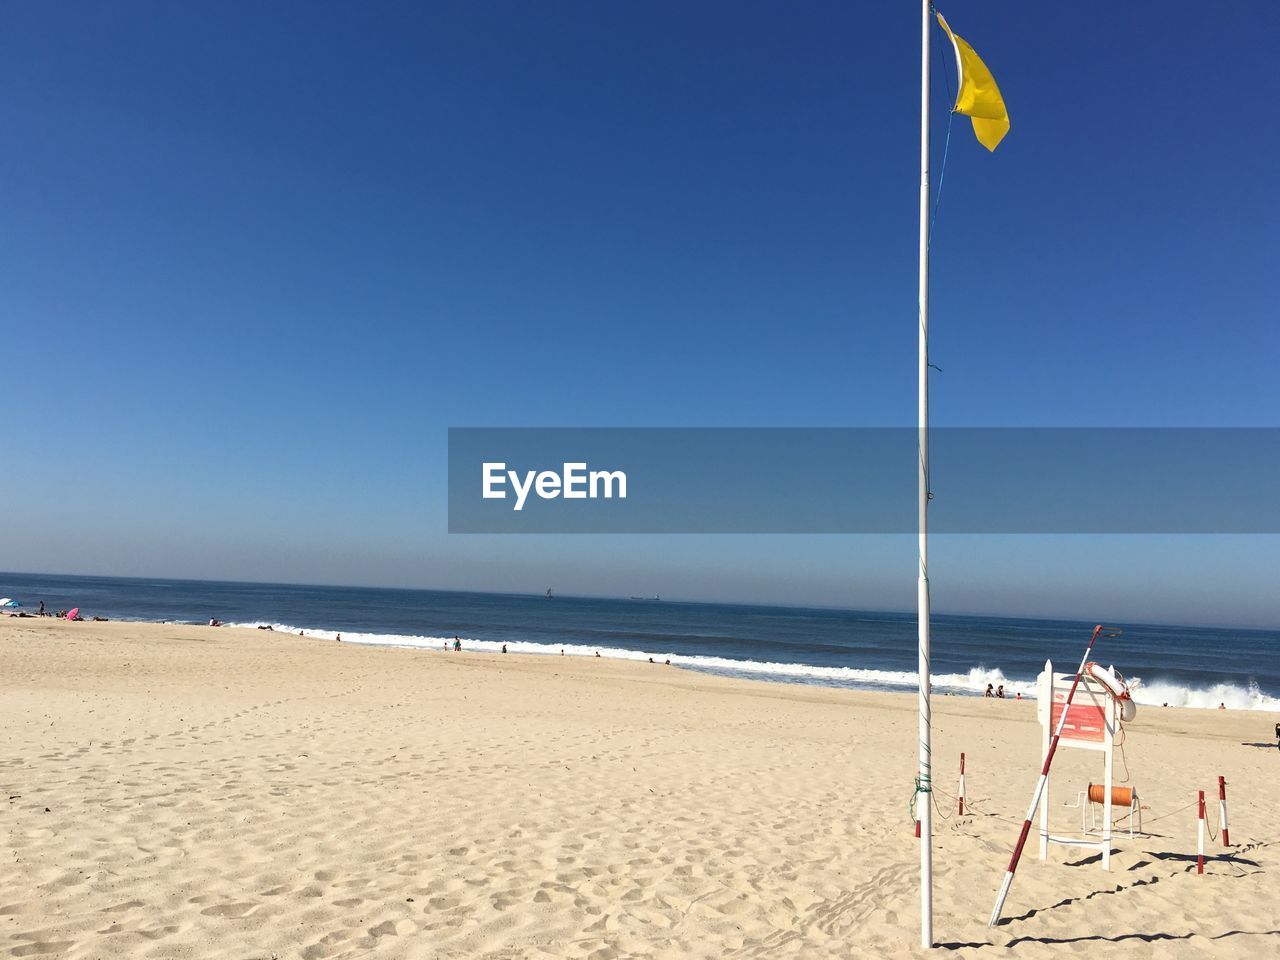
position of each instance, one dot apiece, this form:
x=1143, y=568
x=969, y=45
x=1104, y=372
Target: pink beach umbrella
x=73, y=613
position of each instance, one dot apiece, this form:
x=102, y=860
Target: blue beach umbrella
x=6, y=602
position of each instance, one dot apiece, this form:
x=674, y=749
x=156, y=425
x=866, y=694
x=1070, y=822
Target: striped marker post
x=1222, y=809
x=960, y=808
x=1200, y=841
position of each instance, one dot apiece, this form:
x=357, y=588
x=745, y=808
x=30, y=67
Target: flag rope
x=922, y=786
x=946, y=148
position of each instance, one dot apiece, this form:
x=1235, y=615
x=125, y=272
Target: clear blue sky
x=257, y=258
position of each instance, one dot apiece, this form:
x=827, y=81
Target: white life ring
x=1114, y=684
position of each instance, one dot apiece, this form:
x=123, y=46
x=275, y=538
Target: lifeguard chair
x=1101, y=702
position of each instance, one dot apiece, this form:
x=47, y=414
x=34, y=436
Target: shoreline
x=630, y=669
x=788, y=673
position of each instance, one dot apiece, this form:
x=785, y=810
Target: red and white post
x=960, y=801
x=1222, y=809
x=1200, y=840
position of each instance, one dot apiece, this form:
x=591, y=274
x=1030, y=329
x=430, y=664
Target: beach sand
x=178, y=791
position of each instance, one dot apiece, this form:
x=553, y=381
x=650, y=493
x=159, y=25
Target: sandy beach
x=178, y=791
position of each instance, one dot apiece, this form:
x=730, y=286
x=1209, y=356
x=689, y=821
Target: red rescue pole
x=1044, y=779
x=1200, y=841
x=960, y=809
x=1222, y=808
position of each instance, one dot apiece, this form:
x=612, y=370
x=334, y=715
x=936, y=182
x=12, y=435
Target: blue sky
x=258, y=258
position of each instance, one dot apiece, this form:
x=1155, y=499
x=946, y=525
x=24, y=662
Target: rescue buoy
x=1116, y=685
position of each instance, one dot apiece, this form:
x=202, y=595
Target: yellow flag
x=979, y=97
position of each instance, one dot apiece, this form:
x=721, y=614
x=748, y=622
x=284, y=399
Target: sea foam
x=972, y=683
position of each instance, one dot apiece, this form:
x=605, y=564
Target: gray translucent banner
x=863, y=480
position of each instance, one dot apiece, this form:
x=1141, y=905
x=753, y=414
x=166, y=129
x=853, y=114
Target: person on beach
x=41, y=612
x=990, y=691
x=457, y=645
x=504, y=648
x=339, y=638
x=1000, y=692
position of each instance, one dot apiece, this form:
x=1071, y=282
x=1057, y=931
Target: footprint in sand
x=326, y=944
x=230, y=910
x=393, y=928
x=42, y=948
x=157, y=933
x=732, y=907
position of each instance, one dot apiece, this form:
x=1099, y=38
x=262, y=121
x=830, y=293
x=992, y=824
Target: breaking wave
x=1230, y=695
x=972, y=683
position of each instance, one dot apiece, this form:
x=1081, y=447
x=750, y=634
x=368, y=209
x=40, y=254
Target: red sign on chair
x=1085, y=721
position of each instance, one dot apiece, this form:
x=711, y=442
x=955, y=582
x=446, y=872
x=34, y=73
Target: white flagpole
x=924, y=797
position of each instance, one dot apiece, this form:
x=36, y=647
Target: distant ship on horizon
x=654, y=597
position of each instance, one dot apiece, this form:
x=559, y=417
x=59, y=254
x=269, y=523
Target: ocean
x=1180, y=666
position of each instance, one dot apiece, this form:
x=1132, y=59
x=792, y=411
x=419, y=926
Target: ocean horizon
x=825, y=646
